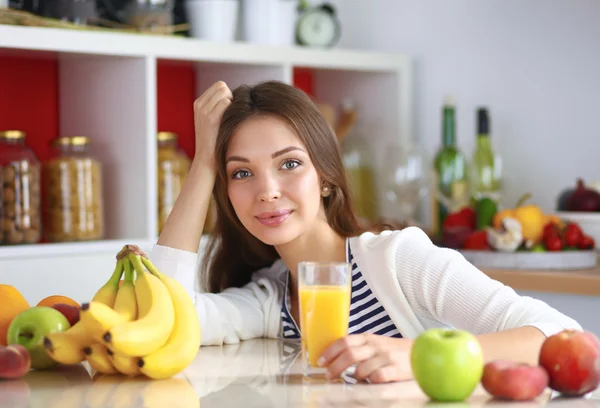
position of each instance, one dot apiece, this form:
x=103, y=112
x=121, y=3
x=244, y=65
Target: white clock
x=318, y=27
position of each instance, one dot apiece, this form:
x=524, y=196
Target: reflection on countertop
x=254, y=373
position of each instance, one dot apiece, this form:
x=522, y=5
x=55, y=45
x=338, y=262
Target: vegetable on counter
x=572, y=235
x=583, y=199
x=466, y=217
x=485, y=210
x=568, y=238
x=482, y=227
x=531, y=217
x=477, y=241
x=508, y=238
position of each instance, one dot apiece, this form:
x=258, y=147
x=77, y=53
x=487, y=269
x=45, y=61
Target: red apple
x=15, y=361
x=69, y=311
x=572, y=359
x=510, y=380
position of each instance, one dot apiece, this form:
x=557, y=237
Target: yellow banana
x=108, y=292
x=183, y=343
x=97, y=357
x=126, y=302
x=156, y=317
x=124, y=364
x=99, y=318
x=67, y=347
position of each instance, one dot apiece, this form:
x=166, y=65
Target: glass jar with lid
x=149, y=15
x=73, y=194
x=173, y=167
x=20, y=210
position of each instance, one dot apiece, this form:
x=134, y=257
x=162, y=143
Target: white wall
x=535, y=63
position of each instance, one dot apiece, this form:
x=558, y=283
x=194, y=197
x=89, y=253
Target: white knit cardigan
x=420, y=285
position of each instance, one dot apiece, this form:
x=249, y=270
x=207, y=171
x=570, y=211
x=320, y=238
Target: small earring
x=325, y=191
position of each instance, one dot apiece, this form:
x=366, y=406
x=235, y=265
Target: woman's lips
x=273, y=218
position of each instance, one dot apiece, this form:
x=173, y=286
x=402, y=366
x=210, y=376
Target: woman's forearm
x=521, y=344
x=183, y=228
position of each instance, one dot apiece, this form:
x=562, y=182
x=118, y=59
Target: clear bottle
x=74, y=198
x=358, y=164
x=451, y=176
x=486, y=165
x=21, y=193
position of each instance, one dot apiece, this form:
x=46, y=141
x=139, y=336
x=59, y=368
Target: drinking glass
x=324, y=290
x=407, y=179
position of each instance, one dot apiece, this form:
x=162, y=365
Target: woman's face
x=272, y=184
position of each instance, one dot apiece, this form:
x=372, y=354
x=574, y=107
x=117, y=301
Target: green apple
x=29, y=327
x=447, y=364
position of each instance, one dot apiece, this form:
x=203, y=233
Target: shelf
x=68, y=248
x=179, y=83
x=47, y=95
x=120, y=89
x=180, y=48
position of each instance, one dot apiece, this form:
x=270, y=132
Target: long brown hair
x=233, y=254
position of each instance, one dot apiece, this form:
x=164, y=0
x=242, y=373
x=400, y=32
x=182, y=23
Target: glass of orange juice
x=324, y=290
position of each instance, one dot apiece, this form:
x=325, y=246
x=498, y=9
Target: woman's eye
x=291, y=164
x=240, y=174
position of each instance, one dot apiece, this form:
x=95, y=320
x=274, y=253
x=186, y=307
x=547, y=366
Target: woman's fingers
x=348, y=358
x=387, y=373
x=217, y=112
x=339, y=346
x=208, y=112
x=221, y=93
x=383, y=367
x=208, y=93
x=377, y=358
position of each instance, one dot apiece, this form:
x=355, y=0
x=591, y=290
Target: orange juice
x=324, y=315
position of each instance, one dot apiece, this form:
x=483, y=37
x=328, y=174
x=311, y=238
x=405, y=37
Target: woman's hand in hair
x=208, y=111
x=379, y=359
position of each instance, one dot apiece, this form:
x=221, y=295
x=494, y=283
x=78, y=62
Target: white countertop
x=256, y=373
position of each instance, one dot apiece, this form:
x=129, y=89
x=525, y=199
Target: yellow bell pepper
x=554, y=219
x=500, y=215
x=531, y=218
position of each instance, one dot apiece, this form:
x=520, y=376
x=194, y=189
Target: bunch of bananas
x=145, y=324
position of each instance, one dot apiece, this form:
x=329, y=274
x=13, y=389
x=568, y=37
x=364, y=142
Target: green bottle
x=486, y=168
x=451, y=184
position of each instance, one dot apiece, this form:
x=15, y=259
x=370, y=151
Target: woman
x=282, y=198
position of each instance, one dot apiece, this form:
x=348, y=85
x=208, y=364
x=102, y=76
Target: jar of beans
x=73, y=192
x=20, y=187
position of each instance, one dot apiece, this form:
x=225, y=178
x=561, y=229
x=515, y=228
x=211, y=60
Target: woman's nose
x=269, y=189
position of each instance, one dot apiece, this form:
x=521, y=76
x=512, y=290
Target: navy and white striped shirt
x=367, y=315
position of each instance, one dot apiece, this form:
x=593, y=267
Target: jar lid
x=166, y=136
x=12, y=134
x=61, y=141
x=80, y=140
